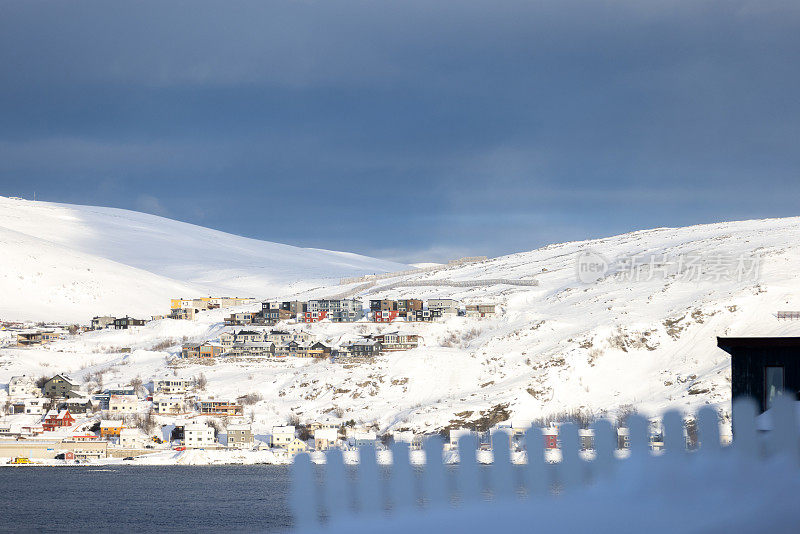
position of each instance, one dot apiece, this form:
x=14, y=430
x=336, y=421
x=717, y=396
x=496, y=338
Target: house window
x=773, y=384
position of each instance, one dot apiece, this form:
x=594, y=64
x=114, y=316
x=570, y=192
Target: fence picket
x=401, y=488
x=535, y=471
x=605, y=444
x=674, y=438
x=368, y=489
x=570, y=470
x=638, y=432
x=708, y=428
x=468, y=477
x=783, y=435
x=335, y=496
x=745, y=438
x=434, y=478
x=303, y=496
x=502, y=470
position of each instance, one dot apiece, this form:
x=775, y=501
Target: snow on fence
x=749, y=486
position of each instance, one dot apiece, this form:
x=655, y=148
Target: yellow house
x=296, y=446
x=110, y=428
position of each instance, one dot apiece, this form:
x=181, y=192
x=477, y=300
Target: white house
x=167, y=403
x=35, y=406
x=227, y=339
x=123, y=404
x=22, y=386
x=361, y=439
x=173, y=385
x=131, y=438
x=325, y=438
x=282, y=436
x=444, y=307
x=198, y=435
x=403, y=436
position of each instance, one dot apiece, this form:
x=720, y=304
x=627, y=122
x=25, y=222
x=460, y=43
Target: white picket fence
x=403, y=496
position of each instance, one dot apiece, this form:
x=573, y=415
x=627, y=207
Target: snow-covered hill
x=64, y=262
x=562, y=345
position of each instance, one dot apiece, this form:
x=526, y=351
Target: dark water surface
x=145, y=499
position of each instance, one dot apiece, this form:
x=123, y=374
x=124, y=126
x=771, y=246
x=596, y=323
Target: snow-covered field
x=63, y=262
x=563, y=345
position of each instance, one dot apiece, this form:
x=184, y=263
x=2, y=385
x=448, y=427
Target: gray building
x=60, y=386
x=240, y=437
x=99, y=323
x=338, y=311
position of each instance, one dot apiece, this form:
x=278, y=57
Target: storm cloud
x=415, y=130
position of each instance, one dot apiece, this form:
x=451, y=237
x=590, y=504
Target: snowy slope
x=66, y=262
x=562, y=345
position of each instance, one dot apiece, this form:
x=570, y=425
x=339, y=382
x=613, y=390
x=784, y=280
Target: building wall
x=748, y=370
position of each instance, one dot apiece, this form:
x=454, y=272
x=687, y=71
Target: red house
x=312, y=317
x=54, y=420
x=550, y=438
x=385, y=316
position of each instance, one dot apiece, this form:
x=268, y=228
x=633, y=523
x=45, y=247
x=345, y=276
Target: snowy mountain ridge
x=64, y=262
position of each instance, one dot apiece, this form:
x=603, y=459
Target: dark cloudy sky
x=413, y=130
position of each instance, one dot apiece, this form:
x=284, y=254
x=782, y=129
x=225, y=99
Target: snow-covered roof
x=331, y=434
x=283, y=430
x=110, y=423
x=161, y=397
x=124, y=398
x=19, y=380
x=196, y=427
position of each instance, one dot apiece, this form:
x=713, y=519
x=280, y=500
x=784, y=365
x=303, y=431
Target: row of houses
x=352, y=310
x=282, y=344
x=187, y=309
x=38, y=336
x=61, y=391
x=416, y=310
x=115, y=323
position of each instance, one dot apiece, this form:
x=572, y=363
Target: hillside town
x=257, y=342
x=57, y=418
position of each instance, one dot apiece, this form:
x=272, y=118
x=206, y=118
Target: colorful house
x=201, y=350
x=385, y=316
x=54, y=420
x=296, y=446
x=220, y=407
x=109, y=428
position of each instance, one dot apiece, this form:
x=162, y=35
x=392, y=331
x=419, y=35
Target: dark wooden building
x=762, y=367
x=382, y=305
x=123, y=323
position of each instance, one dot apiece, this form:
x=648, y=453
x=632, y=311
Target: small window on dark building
x=773, y=384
